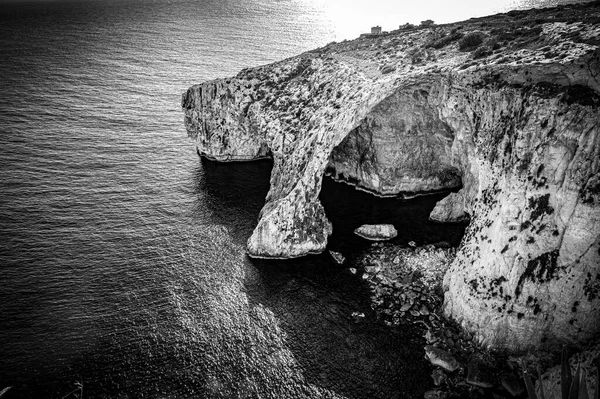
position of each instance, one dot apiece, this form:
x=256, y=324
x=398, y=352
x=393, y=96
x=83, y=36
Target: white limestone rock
x=376, y=232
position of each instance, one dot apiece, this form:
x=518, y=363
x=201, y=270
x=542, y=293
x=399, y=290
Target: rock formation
x=508, y=107
x=376, y=232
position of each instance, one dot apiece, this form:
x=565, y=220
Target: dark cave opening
x=244, y=185
x=348, y=208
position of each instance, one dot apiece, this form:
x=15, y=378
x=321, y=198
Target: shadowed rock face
x=402, y=146
x=518, y=127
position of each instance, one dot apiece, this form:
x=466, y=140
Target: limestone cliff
x=505, y=106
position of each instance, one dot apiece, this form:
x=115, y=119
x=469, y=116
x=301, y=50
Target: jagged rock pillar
x=293, y=222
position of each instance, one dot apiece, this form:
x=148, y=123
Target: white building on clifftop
x=375, y=30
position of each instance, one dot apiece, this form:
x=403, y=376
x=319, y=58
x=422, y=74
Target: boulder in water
x=441, y=358
x=376, y=232
x=337, y=257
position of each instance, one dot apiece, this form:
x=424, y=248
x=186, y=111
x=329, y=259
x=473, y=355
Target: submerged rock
x=376, y=232
x=439, y=357
x=479, y=372
x=439, y=377
x=372, y=269
x=435, y=394
x=512, y=384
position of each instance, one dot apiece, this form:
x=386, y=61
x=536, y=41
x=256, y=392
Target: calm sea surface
x=122, y=264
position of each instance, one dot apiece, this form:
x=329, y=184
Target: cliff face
x=513, y=117
x=528, y=265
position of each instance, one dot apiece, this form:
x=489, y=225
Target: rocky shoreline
x=406, y=285
x=504, y=106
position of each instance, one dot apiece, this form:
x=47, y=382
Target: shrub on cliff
x=481, y=52
x=471, y=41
x=419, y=55
x=441, y=42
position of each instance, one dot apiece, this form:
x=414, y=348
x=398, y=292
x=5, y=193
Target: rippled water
x=122, y=263
x=122, y=255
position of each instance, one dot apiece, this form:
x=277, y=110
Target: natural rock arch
x=524, y=137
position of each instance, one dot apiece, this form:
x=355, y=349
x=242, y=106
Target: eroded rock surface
x=401, y=146
x=376, y=232
x=516, y=118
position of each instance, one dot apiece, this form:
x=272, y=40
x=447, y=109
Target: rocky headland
x=504, y=110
